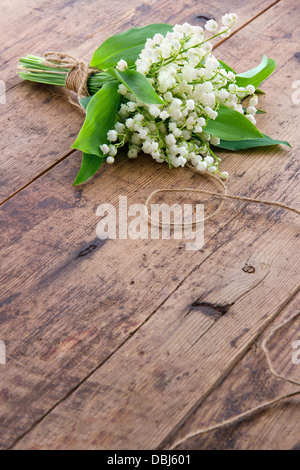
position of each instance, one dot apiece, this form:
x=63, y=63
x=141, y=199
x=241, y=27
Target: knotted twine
x=78, y=75
x=77, y=81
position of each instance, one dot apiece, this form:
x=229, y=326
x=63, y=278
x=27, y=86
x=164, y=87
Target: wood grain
x=71, y=299
x=249, y=385
x=179, y=355
x=34, y=130
x=78, y=26
x=70, y=302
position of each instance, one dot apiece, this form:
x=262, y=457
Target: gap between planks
x=219, y=380
x=231, y=366
x=70, y=152
x=233, y=392
x=116, y=349
x=67, y=395
x=215, y=46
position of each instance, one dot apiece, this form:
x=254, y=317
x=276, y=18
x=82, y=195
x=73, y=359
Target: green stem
x=32, y=68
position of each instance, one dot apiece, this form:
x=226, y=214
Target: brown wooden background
x=119, y=345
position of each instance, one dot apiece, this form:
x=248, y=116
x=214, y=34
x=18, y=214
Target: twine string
x=263, y=406
x=78, y=75
x=77, y=81
x=170, y=190
x=223, y=196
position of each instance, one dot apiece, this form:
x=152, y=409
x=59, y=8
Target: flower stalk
x=166, y=95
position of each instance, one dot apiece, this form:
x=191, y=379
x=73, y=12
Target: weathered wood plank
x=63, y=335
x=66, y=310
x=122, y=393
x=72, y=311
x=179, y=355
x=38, y=126
x=249, y=385
x=79, y=27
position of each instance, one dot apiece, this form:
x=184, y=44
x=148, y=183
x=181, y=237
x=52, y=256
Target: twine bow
x=78, y=75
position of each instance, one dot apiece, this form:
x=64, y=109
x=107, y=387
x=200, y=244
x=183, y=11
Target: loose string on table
x=263, y=406
x=77, y=81
x=266, y=404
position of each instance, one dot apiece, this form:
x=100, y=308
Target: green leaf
x=90, y=164
x=127, y=45
x=85, y=101
x=226, y=67
x=247, y=144
x=229, y=69
x=232, y=125
x=100, y=118
x=257, y=75
x=138, y=85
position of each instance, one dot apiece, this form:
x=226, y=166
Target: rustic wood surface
x=77, y=27
x=140, y=342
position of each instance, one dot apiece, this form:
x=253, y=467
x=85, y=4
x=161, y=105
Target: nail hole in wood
x=248, y=269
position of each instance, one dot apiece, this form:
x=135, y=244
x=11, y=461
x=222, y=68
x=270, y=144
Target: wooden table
x=132, y=344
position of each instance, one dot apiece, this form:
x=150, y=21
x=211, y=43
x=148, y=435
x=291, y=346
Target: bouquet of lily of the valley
x=160, y=90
